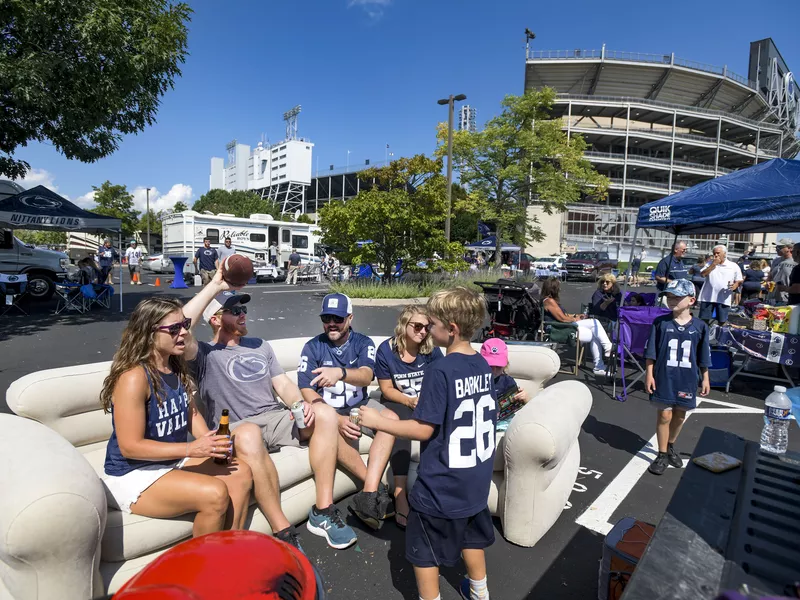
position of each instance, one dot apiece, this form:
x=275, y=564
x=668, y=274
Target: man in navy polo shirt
x=337, y=366
x=208, y=261
x=671, y=267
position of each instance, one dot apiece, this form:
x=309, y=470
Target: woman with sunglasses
x=399, y=367
x=152, y=469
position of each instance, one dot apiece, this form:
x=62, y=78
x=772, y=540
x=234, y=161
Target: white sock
x=478, y=589
x=439, y=597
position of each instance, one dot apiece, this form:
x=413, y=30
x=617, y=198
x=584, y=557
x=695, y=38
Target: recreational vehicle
x=183, y=234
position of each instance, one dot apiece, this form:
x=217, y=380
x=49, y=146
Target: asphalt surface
x=564, y=564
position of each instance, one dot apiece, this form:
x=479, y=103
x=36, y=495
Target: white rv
x=183, y=234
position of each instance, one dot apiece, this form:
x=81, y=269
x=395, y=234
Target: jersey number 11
x=686, y=354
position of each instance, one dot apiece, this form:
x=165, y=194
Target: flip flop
x=400, y=525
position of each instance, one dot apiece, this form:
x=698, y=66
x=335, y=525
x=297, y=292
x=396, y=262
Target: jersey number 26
x=479, y=429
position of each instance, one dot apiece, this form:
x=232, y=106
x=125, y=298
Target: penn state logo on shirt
x=247, y=368
x=40, y=202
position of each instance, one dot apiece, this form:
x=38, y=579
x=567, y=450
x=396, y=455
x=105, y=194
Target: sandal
x=401, y=526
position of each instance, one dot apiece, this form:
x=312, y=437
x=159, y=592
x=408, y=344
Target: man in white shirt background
x=226, y=250
x=723, y=277
x=133, y=255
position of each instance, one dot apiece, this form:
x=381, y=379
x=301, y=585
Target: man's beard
x=235, y=329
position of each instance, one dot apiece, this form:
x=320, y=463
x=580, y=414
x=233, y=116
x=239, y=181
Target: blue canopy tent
x=762, y=198
x=42, y=209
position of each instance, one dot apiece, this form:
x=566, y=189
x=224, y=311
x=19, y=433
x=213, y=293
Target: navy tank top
x=168, y=422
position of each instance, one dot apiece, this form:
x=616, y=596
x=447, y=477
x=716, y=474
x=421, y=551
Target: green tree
x=304, y=218
x=42, y=238
x=402, y=217
x=115, y=201
x=84, y=73
x=155, y=218
x=179, y=207
x=237, y=203
x=521, y=157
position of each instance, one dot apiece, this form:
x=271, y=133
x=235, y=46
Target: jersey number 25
x=479, y=429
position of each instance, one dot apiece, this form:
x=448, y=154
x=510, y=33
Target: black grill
x=290, y=588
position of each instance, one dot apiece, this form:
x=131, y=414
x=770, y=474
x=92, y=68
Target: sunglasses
x=176, y=328
x=332, y=318
x=236, y=310
x=419, y=327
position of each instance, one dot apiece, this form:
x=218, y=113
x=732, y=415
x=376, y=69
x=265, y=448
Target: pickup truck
x=589, y=265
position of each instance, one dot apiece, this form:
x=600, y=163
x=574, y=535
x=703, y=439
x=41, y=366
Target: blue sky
x=368, y=73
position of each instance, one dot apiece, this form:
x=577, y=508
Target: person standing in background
x=226, y=250
x=106, y=255
x=781, y=269
x=209, y=261
x=723, y=278
x=294, y=267
x=133, y=255
x=273, y=254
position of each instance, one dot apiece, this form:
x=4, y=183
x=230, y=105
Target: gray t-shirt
x=238, y=378
x=224, y=252
x=781, y=273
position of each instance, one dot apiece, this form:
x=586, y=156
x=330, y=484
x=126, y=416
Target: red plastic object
x=235, y=565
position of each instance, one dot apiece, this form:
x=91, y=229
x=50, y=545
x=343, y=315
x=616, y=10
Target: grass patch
x=415, y=285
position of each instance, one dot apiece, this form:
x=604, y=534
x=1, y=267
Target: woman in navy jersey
x=399, y=367
x=151, y=467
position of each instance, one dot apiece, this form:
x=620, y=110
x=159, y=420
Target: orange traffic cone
x=135, y=278
x=158, y=282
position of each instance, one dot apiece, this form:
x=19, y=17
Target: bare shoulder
x=133, y=380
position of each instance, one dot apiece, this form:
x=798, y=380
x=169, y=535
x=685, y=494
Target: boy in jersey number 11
x=678, y=356
x=455, y=420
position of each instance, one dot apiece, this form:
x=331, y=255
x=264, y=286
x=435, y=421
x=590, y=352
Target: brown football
x=237, y=270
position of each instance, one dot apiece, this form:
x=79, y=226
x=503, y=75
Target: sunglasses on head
x=419, y=327
x=332, y=318
x=237, y=310
x=175, y=328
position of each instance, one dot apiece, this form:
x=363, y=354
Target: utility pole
x=450, y=101
x=149, y=247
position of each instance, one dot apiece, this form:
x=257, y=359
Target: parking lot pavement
x=615, y=448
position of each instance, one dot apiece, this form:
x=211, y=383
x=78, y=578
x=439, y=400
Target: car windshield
x=544, y=259
x=583, y=256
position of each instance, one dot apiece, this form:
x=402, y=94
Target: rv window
x=285, y=236
x=299, y=241
x=213, y=235
x=258, y=237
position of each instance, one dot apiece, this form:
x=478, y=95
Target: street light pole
x=149, y=248
x=450, y=101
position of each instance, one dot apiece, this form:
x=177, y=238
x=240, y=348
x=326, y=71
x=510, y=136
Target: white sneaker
x=600, y=371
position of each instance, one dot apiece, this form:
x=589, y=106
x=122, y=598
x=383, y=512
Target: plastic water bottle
x=777, y=415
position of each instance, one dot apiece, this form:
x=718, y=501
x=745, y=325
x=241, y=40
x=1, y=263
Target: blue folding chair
x=12, y=290
x=70, y=297
x=96, y=294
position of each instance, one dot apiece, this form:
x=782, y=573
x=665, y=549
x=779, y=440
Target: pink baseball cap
x=495, y=351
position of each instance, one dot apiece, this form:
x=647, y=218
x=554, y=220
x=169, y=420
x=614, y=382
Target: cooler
x=720, y=370
x=622, y=549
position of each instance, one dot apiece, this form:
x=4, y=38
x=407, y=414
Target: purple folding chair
x=634, y=329
x=648, y=297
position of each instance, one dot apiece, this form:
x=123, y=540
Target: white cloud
x=373, y=8
x=86, y=201
x=36, y=177
x=158, y=201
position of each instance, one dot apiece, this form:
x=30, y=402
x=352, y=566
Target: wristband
x=344, y=373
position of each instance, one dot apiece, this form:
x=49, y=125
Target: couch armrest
x=52, y=523
x=542, y=458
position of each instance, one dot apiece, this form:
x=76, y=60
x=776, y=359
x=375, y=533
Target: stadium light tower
x=450, y=102
x=290, y=116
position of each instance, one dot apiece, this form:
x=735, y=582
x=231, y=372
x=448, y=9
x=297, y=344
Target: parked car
x=589, y=265
x=159, y=264
x=554, y=263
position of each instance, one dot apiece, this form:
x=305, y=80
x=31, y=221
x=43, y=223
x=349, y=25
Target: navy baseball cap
x=222, y=301
x=338, y=305
x=680, y=287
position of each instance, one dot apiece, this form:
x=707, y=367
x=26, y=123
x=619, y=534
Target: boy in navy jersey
x=455, y=421
x=677, y=354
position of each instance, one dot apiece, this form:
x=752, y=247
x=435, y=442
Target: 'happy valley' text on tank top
x=168, y=422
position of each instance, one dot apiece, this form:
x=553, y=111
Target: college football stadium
x=656, y=124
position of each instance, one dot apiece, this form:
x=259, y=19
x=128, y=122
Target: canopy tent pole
x=120, y=270
x=624, y=291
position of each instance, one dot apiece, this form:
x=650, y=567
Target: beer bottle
x=223, y=429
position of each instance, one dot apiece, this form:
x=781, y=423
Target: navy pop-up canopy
x=762, y=198
x=41, y=209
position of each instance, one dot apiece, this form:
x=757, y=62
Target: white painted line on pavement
x=596, y=517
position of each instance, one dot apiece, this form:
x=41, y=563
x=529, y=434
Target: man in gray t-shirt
x=243, y=375
x=226, y=250
x=781, y=269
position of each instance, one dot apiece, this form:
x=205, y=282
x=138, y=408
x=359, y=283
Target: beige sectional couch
x=58, y=538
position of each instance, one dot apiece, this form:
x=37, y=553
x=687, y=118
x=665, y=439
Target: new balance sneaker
x=385, y=502
x=328, y=523
x=673, y=458
x=366, y=507
x=289, y=535
x=659, y=465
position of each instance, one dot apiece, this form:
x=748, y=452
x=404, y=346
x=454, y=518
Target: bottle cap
x=780, y=388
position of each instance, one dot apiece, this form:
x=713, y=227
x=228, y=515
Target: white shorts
x=124, y=490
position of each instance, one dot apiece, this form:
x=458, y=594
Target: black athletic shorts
x=434, y=541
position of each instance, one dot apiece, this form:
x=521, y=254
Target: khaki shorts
x=370, y=403
x=277, y=428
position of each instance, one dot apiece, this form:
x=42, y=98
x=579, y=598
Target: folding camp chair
x=12, y=290
x=633, y=331
x=70, y=297
x=96, y=294
x=562, y=334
